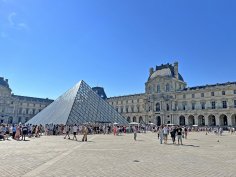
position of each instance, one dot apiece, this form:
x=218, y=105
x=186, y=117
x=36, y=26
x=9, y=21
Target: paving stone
x=120, y=156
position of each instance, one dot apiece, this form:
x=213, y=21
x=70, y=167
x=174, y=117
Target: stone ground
x=121, y=156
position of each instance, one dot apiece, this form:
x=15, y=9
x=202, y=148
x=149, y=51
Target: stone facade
x=16, y=109
x=168, y=100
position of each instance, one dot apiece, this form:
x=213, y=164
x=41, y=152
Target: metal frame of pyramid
x=79, y=105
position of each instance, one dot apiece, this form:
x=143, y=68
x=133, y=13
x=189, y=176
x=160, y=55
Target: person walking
x=67, y=128
x=75, y=129
x=160, y=133
x=179, y=134
x=165, y=134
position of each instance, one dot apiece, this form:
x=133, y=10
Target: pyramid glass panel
x=79, y=105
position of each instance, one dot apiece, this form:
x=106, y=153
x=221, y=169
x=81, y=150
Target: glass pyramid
x=78, y=105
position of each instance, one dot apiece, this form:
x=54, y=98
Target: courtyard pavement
x=120, y=156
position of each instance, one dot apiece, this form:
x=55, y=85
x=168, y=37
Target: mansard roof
x=133, y=95
x=209, y=86
x=3, y=82
x=26, y=98
x=165, y=70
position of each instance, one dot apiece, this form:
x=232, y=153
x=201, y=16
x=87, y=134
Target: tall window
x=224, y=103
x=234, y=91
x=212, y=93
x=121, y=110
x=158, y=107
x=132, y=109
x=184, y=96
x=213, y=105
x=193, y=106
x=203, y=105
x=167, y=107
x=158, y=89
x=167, y=87
x=223, y=92
x=184, y=107
x=127, y=109
x=202, y=94
x=234, y=103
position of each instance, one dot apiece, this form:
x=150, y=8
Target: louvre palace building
x=168, y=100
x=18, y=109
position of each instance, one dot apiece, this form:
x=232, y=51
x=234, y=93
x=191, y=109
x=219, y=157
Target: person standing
x=185, y=132
x=85, y=133
x=173, y=134
x=179, y=134
x=75, y=129
x=160, y=134
x=13, y=131
x=135, y=133
x=24, y=132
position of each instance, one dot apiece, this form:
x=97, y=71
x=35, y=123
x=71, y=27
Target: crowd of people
x=21, y=131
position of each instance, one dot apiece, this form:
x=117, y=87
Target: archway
x=233, y=119
x=223, y=120
x=134, y=119
x=191, y=120
x=181, y=120
x=201, y=120
x=128, y=119
x=158, y=120
x=211, y=120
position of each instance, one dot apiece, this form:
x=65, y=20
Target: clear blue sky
x=47, y=46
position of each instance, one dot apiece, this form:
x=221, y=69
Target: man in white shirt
x=165, y=134
x=75, y=129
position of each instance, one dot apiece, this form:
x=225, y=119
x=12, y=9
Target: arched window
x=128, y=119
x=158, y=107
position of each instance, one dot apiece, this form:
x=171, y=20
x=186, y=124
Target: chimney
x=151, y=71
x=7, y=80
x=176, y=70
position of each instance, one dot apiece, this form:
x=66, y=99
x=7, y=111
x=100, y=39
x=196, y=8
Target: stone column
x=186, y=121
x=206, y=121
x=229, y=120
x=177, y=119
x=196, y=120
x=217, y=120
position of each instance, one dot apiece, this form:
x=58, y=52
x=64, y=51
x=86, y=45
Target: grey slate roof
x=3, y=82
x=26, y=98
